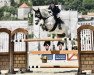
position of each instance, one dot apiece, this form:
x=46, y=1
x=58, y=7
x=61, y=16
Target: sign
x=49, y=56
x=60, y=56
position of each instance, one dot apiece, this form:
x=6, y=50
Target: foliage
x=30, y=18
x=14, y=4
x=1, y=13
x=29, y=2
x=7, y=11
x=83, y=6
x=79, y=5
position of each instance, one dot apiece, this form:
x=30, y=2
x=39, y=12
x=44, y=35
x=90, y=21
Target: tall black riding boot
x=60, y=21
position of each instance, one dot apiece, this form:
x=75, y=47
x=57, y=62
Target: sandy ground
x=54, y=71
x=50, y=71
x=48, y=74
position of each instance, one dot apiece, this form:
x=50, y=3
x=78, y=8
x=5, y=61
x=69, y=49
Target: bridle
x=44, y=18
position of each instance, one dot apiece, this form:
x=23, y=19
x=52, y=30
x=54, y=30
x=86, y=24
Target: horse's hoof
x=46, y=29
x=36, y=23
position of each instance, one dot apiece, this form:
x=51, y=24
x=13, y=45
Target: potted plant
x=44, y=59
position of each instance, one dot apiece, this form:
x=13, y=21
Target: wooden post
x=26, y=53
x=19, y=53
x=11, y=54
x=11, y=59
x=85, y=52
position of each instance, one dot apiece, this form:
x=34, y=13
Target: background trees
x=79, y=5
x=83, y=6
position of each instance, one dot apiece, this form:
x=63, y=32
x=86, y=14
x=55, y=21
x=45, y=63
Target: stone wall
x=87, y=61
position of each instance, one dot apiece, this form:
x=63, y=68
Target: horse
x=48, y=22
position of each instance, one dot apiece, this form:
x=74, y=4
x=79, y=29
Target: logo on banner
x=60, y=56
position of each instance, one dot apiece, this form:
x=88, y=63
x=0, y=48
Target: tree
x=88, y=4
x=1, y=13
x=10, y=9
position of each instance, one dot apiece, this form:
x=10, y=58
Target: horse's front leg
x=41, y=22
x=37, y=21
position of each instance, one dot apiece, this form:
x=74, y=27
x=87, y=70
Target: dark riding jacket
x=55, y=10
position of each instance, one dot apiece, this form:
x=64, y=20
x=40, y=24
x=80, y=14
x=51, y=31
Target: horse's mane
x=45, y=13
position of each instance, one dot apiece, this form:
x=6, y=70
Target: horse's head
x=42, y=14
x=38, y=16
x=38, y=13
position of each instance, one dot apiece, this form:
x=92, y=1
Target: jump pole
x=54, y=52
x=44, y=39
x=59, y=66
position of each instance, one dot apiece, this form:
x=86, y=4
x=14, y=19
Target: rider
x=55, y=9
